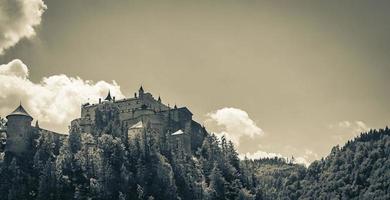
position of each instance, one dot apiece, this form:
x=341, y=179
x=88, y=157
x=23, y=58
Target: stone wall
x=128, y=108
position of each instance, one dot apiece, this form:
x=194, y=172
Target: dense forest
x=106, y=165
x=358, y=170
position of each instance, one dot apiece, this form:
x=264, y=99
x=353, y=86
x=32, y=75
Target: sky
x=278, y=78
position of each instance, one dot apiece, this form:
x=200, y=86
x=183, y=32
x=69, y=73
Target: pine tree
x=217, y=184
x=47, y=182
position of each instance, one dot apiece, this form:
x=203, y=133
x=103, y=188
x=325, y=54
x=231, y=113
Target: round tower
x=18, y=131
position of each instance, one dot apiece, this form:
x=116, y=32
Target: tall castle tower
x=18, y=131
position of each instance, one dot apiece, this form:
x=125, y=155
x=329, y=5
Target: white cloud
x=306, y=157
x=262, y=154
x=18, y=18
x=346, y=130
x=310, y=153
x=345, y=124
x=361, y=127
x=56, y=100
x=302, y=160
x=14, y=68
x=235, y=123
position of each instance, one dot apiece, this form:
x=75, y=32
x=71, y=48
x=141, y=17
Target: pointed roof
x=137, y=125
x=178, y=132
x=108, y=98
x=141, y=89
x=20, y=111
x=159, y=99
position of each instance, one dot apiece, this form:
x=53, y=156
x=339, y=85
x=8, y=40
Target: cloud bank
x=55, y=100
x=263, y=154
x=345, y=130
x=235, y=123
x=260, y=154
x=18, y=18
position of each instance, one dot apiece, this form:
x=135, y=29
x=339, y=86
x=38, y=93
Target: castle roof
x=19, y=111
x=108, y=98
x=137, y=125
x=178, y=132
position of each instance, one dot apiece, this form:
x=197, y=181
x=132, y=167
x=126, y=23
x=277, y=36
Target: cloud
x=14, y=68
x=345, y=130
x=18, y=18
x=262, y=154
x=301, y=160
x=235, y=123
x=55, y=100
x=306, y=157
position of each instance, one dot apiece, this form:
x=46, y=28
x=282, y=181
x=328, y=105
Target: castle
x=145, y=113
x=142, y=113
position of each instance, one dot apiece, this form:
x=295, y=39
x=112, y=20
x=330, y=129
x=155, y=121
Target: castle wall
x=197, y=136
x=127, y=107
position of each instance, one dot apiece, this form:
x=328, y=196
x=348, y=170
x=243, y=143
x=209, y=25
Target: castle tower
x=141, y=92
x=18, y=131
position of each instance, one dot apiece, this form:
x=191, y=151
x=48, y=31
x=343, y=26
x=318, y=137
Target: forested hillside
x=106, y=165
x=358, y=170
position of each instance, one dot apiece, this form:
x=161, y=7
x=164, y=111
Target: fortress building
x=125, y=117
x=144, y=113
x=22, y=136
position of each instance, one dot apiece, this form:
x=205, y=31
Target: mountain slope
x=358, y=170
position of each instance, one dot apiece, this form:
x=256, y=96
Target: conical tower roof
x=108, y=98
x=20, y=111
